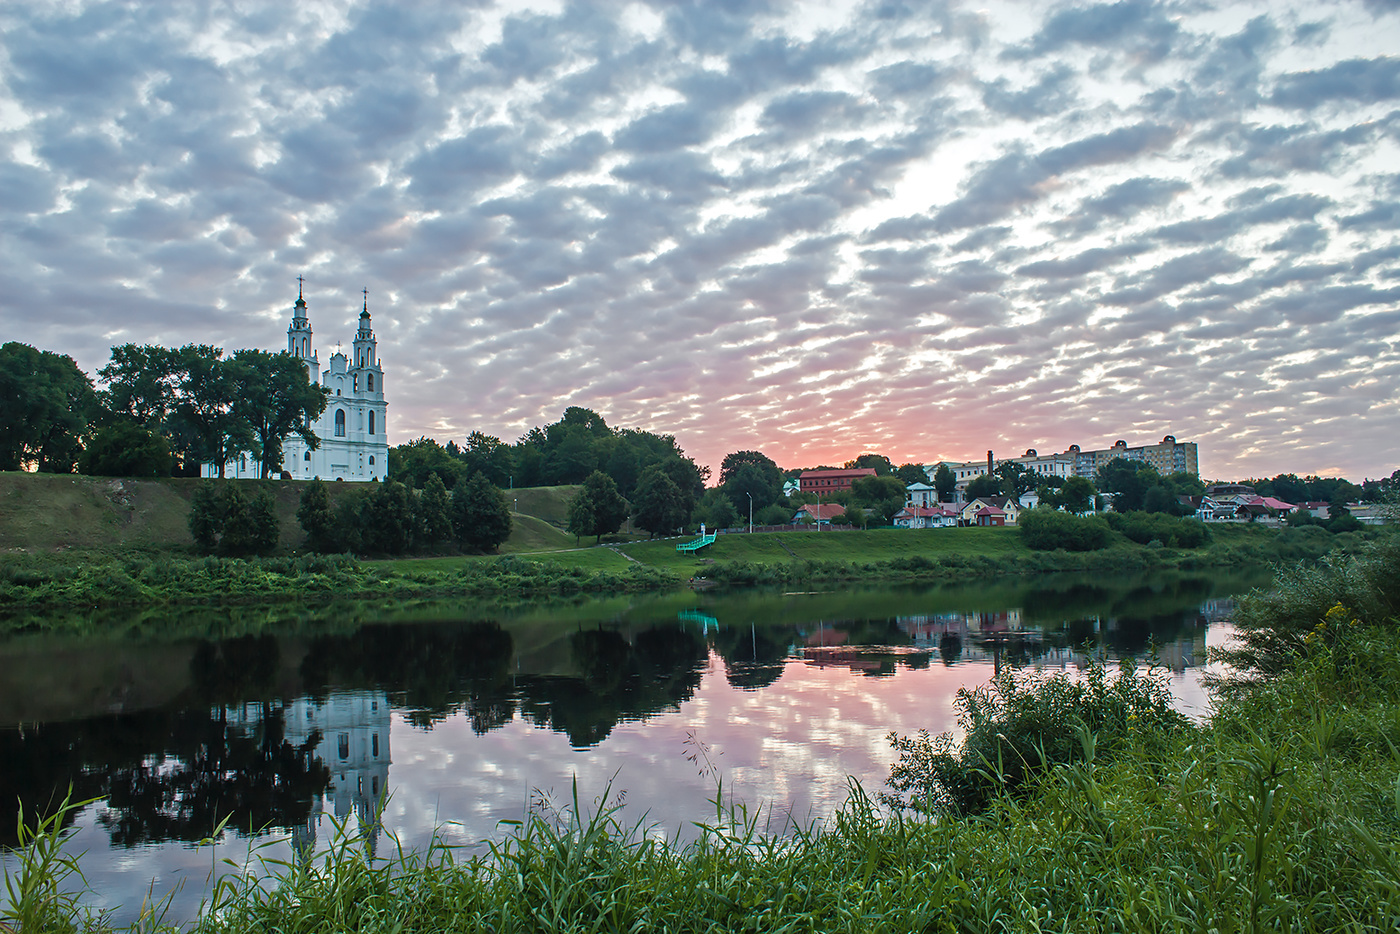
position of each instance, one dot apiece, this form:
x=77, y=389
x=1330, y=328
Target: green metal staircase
x=697, y=544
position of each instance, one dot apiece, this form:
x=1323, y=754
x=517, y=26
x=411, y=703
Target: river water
x=467, y=714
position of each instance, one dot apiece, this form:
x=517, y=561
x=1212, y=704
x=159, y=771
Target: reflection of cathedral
x=353, y=743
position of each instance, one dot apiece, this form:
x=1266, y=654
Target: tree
x=488, y=455
x=273, y=399
x=598, y=509
x=206, y=515
x=415, y=461
x=1076, y=496
x=316, y=517
x=764, y=464
x=945, y=482
x=126, y=449
x=46, y=403
x=223, y=519
x=204, y=405
x=912, y=473
x=716, y=511
x=883, y=497
x=480, y=514
x=387, y=519
x=434, y=520
x=1016, y=480
x=658, y=505
x=750, y=480
x=1128, y=482
x=986, y=484
x=881, y=463
x=142, y=381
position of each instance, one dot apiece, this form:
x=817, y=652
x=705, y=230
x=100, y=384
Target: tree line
x=159, y=412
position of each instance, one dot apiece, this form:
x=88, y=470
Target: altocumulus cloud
x=923, y=228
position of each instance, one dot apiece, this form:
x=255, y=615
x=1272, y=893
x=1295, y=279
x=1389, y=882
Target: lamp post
x=750, y=496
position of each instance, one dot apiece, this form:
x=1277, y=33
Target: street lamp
x=750, y=496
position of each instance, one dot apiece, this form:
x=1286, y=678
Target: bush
x=1047, y=530
x=1143, y=527
x=1019, y=726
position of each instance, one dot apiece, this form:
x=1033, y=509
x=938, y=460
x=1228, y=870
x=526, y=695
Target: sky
x=811, y=229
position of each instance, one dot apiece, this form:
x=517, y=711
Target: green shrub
x=1019, y=725
x=1048, y=530
x=1145, y=527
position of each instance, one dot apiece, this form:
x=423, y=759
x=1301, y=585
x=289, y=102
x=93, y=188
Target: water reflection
x=485, y=704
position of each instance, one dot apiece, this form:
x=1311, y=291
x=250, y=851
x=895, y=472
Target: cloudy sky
x=926, y=229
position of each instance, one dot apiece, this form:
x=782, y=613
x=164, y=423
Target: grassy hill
x=57, y=512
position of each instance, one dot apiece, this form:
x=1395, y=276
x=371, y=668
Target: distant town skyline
x=813, y=229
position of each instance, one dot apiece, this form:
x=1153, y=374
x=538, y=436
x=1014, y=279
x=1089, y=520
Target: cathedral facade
x=354, y=441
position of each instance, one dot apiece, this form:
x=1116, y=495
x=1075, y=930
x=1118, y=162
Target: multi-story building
x=822, y=482
x=1168, y=456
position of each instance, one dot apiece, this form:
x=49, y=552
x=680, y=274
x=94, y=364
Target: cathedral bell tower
x=299, y=334
x=364, y=340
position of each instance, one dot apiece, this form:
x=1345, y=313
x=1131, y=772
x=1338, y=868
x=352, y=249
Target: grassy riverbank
x=1282, y=812
x=74, y=578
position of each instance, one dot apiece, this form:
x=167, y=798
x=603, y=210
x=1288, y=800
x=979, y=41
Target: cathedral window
x=340, y=423
x=306, y=456
x=343, y=745
x=369, y=382
x=371, y=460
x=371, y=423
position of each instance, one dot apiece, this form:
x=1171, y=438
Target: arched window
x=306, y=456
x=340, y=423
x=371, y=460
x=370, y=382
x=371, y=422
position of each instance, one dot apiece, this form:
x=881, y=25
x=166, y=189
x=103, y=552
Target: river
x=284, y=720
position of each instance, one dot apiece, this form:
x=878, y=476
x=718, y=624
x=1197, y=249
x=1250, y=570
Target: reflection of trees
x=753, y=658
x=618, y=680
x=433, y=669
x=950, y=648
x=212, y=769
x=168, y=775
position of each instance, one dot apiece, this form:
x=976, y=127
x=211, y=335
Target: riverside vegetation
x=1070, y=806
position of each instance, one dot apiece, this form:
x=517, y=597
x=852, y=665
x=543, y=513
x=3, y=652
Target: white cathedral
x=352, y=430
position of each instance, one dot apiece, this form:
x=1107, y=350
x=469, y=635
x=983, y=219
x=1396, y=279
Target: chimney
x=989, y=463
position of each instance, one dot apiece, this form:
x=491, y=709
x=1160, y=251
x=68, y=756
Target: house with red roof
x=926, y=517
x=1007, y=506
x=821, y=513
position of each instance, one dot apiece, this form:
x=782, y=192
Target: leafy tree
x=983, y=485
x=776, y=514
x=1076, y=496
x=273, y=399
x=46, y=403
x=765, y=485
x=855, y=515
x=1160, y=498
x=434, y=520
x=881, y=463
x=488, y=455
x=204, y=405
x=1127, y=481
x=764, y=463
x=126, y=449
x=142, y=381
x=657, y=504
x=206, y=517
x=945, y=482
x=223, y=519
x=883, y=497
x=716, y=510
x=912, y=473
x=480, y=514
x=598, y=509
x=316, y=517
x=414, y=462
x=1016, y=480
